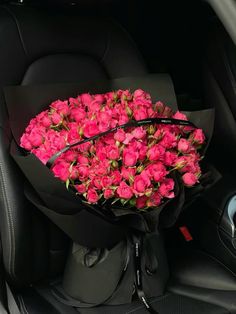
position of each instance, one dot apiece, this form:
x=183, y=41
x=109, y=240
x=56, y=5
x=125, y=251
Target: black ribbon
x=130, y=124
x=138, y=275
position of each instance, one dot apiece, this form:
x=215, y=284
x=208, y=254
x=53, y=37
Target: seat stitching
x=150, y=302
x=18, y=29
x=24, y=308
x=9, y=222
x=107, y=48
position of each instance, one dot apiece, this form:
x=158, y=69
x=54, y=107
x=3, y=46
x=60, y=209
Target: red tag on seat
x=185, y=232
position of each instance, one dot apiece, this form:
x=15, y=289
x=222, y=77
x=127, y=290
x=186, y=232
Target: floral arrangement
x=132, y=165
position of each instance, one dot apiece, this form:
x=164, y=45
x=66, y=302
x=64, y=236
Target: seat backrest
x=219, y=83
x=38, y=47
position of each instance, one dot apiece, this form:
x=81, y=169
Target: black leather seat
x=38, y=47
x=220, y=92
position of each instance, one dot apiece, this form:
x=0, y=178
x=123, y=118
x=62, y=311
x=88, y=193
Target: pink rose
x=35, y=138
x=74, y=101
x=109, y=139
x=25, y=143
x=157, y=171
x=86, y=99
x=184, y=146
x=139, y=93
x=124, y=191
x=96, y=182
x=94, y=106
x=70, y=156
x=128, y=173
x=101, y=153
x=113, y=152
x=123, y=119
x=155, y=200
x=141, y=202
x=180, y=116
x=106, y=181
x=90, y=129
x=140, y=114
x=92, y=196
x=158, y=134
x=81, y=188
x=166, y=188
x=128, y=138
x=99, y=98
x=104, y=125
x=189, y=179
x=191, y=164
x=170, y=158
x=73, y=173
x=181, y=162
x=143, y=152
x=105, y=116
x=82, y=160
x=61, y=107
x=116, y=177
x=61, y=170
x=139, y=133
x=56, y=118
x=163, y=110
x=129, y=158
x=73, y=136
x=119, y=135
x=156, y=152
x=110, y=96
x=152, y=113
x=83, y=172
x=108, y=193
x=140, y=103
x=160, y=107
x=84, y=147
x=46, y=121
x=101, y=169
x=198, y=136
x=78, y=114
x=169, y=140
x=141, y=183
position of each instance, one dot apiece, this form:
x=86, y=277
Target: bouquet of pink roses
x=102, y=167
x=104, y=159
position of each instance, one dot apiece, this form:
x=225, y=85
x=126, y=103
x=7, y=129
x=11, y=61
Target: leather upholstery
x=220, y=91
x=38, y=47
x=170, y=303
x=197, y=275
x=198, y=269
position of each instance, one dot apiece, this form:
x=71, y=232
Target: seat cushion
x=171, y=303
x=197, y=275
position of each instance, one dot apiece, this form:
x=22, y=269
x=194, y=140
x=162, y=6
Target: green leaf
x=132, y=202
x=67, y=183
x=115, y=200
x=122, y=201
x=71, y=166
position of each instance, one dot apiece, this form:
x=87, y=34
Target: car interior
x=66, y=41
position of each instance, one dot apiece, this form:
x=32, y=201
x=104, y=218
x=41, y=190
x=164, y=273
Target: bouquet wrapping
x=105, y=223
